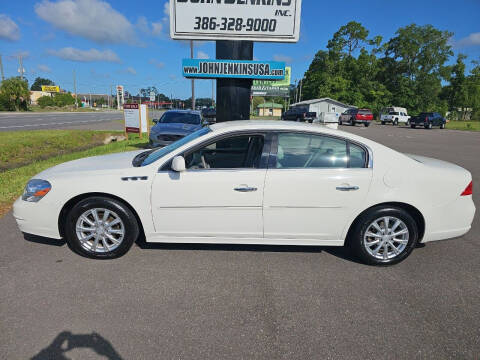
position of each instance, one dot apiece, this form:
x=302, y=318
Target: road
x=248, y=302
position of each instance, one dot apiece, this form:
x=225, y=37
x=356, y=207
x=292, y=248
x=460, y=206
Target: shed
x=323, y=105
x=270, y=109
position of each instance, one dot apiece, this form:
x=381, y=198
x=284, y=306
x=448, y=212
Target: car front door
x=219, y=197
x=314, y=185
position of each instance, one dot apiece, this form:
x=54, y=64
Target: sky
x=127, y=42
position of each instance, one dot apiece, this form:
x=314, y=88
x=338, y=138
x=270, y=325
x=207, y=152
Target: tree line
x=410, y=70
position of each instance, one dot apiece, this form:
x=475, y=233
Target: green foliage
x=408, y=70
x=63, y=99
x=44, y=101
x=37, y=84
x=14, y=94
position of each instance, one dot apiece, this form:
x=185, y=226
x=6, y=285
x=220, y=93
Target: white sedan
x=252, y=182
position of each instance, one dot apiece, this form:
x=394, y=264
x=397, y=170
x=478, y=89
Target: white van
x=394, y=115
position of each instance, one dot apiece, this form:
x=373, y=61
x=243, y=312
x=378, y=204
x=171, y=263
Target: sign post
x=235, y=25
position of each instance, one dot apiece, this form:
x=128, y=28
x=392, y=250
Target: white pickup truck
x=395, y=115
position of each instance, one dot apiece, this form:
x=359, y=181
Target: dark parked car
x=428, y=120
x=356, y=116
x=174, y=125
x=209, y=114
x=299, y=114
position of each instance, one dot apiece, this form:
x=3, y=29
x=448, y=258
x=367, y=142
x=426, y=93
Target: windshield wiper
x=138, y=160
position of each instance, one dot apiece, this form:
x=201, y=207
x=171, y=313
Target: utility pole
x=1, y=68
x=213, y=90
x=20, y=63
x=109, y=96
x=75, y=89
x=193, y=81
x=300, y=97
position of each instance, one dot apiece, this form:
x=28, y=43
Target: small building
x=35, y=95
x=323, y=105
x=270, y=109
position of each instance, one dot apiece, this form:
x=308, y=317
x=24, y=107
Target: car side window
x=358, y=156
x=310, y=151
x=235, y=152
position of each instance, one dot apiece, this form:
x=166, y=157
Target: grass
x=464, y=125
x=19, y=148
x=36, y=108
x=12, y=182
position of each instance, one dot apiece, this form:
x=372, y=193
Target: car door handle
x=347, y=188
x=245, y=189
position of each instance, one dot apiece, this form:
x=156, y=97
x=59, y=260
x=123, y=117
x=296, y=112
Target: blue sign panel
x=239, y=69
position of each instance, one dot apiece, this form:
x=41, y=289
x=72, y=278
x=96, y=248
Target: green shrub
x=44, y=101
x=64, y=99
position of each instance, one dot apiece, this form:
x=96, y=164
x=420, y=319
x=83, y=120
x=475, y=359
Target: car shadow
x=43, y=240
x=340, y=252
x=66, y=341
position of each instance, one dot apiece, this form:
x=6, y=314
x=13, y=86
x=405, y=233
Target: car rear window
x=182, y=118
x=364, y=111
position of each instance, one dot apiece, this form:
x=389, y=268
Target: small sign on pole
x=136, y=119
x=50, y=88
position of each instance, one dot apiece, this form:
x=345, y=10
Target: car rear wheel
x=395, y=122
x=100, y=227
x=413, y=126
x=442, y=126
x=384, y=236
x=366, y=124
x=383, y=122
x=429, y=126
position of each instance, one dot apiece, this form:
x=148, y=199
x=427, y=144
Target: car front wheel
x=384, y=236
x=100, y=227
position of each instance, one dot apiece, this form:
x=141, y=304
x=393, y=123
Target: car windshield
x=157, y=154
x=394, y=113
x=178, y=117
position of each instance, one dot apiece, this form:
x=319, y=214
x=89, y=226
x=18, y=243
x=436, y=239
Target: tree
x=37, y=84
x=348, y=38
x=45, y=100
x=15, y=94
x=63, y=99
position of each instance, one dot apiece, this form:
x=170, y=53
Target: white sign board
x=152, y=96
x=120, y=97
x=136, y=117
x=255, y=20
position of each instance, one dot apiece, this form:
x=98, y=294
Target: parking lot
x=248, y=302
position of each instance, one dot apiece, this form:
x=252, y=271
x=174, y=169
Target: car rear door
x=220, y=195
x=314, y=185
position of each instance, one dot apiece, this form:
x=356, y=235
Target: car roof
x=248, y=125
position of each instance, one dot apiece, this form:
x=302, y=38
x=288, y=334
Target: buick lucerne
x=252, y=182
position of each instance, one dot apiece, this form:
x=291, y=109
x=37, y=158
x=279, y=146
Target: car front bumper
x=36, y=218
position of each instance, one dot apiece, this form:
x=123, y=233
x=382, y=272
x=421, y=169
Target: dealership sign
x=50, y=88
x=280, y=88
x=255, y=20
x=240, y=69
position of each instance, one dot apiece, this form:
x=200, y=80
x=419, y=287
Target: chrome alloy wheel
x=386, y=238
x=100, y=230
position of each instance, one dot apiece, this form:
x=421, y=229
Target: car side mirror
x=178, y=164
x=155, y=121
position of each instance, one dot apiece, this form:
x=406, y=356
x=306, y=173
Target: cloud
x=23, y=53
x=202, y=55
x=95, y=20
x=284, y=58
x=172, y=76
x=156, y=63
x=157, y=28
x=131, y=70
x=44, y=68
x=471, y=40
x=69, y=53
x=9, y=30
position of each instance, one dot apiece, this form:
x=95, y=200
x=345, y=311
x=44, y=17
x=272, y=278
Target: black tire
x=395, y=122
x=366, y=124
x=413, y=126
x=429, y=126
x=352, y=122
x=442, y=126
x=130, y=223
x=356, y=234
x=339, y=122
x=383, y=122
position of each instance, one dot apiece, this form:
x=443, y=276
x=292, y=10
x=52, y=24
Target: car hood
x=103, y=163
x=175, y=127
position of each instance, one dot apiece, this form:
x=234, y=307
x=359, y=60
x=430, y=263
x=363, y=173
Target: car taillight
x=426, y=119
x=468, y=190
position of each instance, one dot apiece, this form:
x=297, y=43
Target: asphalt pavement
x=248, y=302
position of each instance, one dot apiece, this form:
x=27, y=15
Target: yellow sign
x=48, y=88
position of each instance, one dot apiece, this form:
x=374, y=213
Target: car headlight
x=35, y=190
